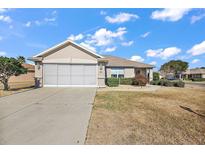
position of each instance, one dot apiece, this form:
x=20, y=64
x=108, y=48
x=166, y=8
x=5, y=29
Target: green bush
x=126, y=81
x=112, y=82
x=179, y=83
x=198, y=79
x=155, y=76
x=156, y=82
x=162, y=82
x=168, y=83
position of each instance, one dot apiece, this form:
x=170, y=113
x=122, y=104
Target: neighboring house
x=28, y=77
x=168, y=76
x=70, y=64
x=194, y=73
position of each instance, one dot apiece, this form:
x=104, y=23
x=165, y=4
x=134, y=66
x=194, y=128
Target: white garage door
x=69, y=75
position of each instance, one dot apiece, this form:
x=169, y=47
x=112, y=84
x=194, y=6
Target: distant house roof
x=29, y=67
x=114, y=61
x=195, y=71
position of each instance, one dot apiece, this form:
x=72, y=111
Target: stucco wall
x=38, y=74
x=101, y=74
x=69, y=52
x=129, y=73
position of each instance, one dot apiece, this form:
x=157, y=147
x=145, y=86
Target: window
x=117, y=72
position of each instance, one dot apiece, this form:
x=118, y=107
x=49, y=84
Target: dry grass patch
x=167, y=116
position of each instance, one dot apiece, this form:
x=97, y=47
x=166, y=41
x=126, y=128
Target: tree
x=155, y=76
x=21, y=59
x=10, y=67
x=174, y=66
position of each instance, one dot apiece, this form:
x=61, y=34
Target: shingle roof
x=114, y=61
x=195, y=71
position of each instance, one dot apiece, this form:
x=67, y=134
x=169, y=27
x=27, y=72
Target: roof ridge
x=127, y=59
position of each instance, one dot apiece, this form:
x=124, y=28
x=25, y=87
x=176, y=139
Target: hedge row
x=112, y=82
x=168, y=83
x=198, y=79
x=139, y=80
x=126, y=81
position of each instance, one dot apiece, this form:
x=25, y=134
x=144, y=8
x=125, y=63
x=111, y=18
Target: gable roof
x=64, y=43
x=195, y=71
x=114, y=61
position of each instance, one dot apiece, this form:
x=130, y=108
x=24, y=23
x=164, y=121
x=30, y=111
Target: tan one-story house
x=194, y=73
x=70, y=64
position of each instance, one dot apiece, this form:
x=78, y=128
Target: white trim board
x=83, y=86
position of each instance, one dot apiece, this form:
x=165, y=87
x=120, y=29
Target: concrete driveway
x=46, y=116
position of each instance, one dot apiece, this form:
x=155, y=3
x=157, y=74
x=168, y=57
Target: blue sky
x=152, y=36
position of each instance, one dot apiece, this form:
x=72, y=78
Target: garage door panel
x=50, y=74
x=90, y=80
x=90, y=70
x=64, y=80
x=63, y=74
x=77, y=70
x=63, y=69
x=77, y=80
x=66, y=74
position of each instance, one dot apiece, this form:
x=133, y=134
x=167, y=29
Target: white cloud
x=3, y=10
x=170, y=14
x=195, y=61
x=76, y=37
x=153, y=63
x=88, y=46
x=110, y=49
x=2, y=53
x=121, y=17
x=103, y=12
x=153, y=53
x=6, y=19
x=197, y=49
x=127, y=43
x=137, y=58
x=145, y=34
x=163, y=53
x=197, y=18
x=51, y=20
x=28, y=24
x=104, y=37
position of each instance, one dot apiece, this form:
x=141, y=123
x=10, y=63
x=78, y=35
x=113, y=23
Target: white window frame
x=118, y=72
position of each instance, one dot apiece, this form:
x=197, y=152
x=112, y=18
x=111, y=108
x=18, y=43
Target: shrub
x=126, y=81
x=112, y=82
x=179, y=83
x=168, y=83
x=198, y=79
x=162, y=82
x=154, y=82
x=140, y=80
x=155, y=76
